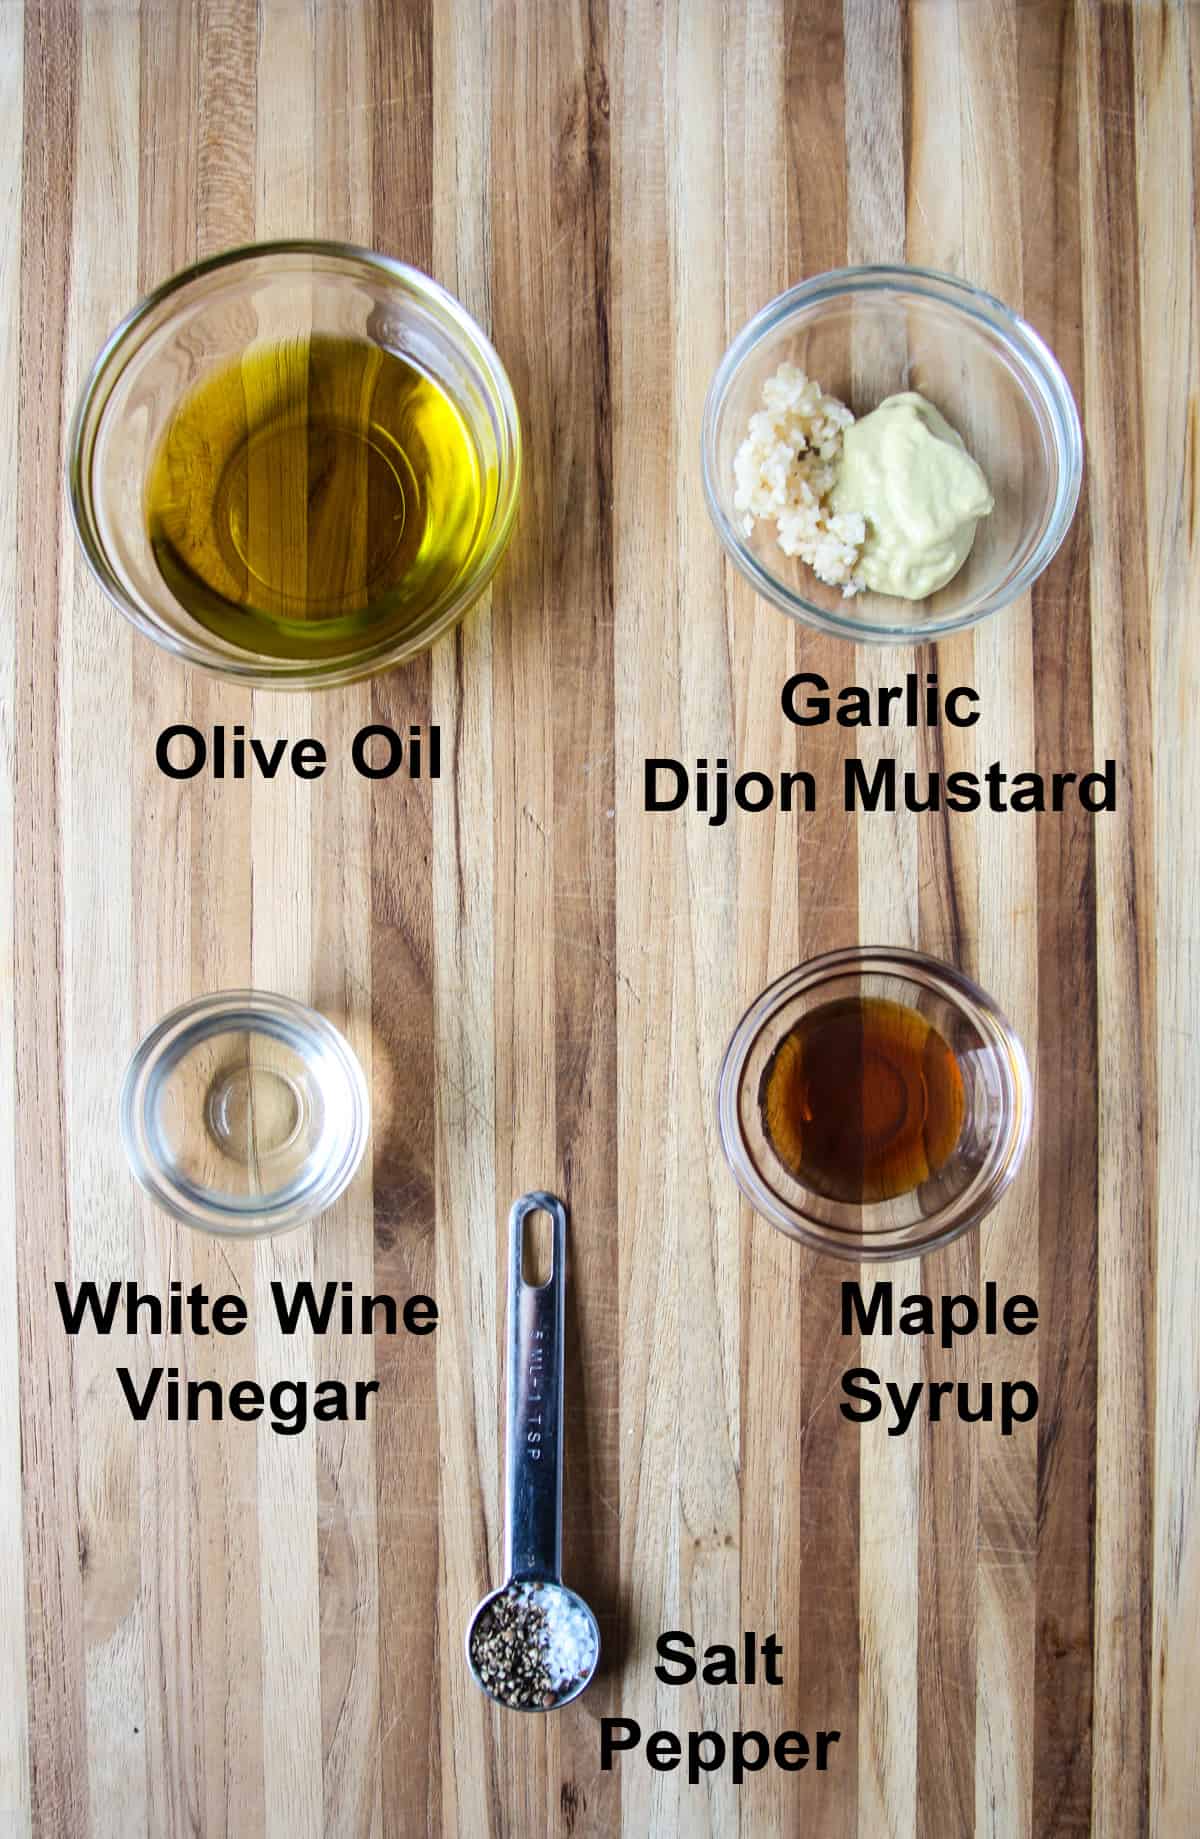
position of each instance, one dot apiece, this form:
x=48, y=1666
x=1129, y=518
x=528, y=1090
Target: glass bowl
x=211, y=316
x=244, y=1113
x=997, y=1106
x=866, y=333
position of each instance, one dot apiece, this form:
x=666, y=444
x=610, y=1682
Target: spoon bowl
x=533, y=1644
x=561, y=1606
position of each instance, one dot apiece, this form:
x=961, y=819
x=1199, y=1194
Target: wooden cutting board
x=216, y=1630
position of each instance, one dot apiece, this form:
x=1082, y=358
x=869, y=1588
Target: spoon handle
x=533, y=1509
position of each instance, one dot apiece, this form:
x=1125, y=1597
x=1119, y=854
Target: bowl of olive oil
x=874, y=1103
x=296, y=464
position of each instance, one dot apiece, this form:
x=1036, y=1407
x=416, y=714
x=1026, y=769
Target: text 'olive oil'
x=862, y=1100
x=314, y=499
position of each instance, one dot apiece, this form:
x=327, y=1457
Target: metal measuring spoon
x=533, y=1645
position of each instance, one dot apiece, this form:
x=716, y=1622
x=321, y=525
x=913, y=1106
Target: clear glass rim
x=214, y=1219
x=122, y=346
x=1039, y=367
x=949, y=1222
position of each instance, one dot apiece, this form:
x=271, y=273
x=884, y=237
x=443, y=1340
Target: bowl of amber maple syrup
x=874, y=1103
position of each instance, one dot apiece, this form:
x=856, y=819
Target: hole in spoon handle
x=534, y=1446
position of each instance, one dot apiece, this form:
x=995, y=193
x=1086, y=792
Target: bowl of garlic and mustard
x=890, y=454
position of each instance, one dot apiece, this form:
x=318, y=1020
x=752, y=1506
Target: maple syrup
x=862, y=1100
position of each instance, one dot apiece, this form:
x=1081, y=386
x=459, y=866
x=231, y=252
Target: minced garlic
x=786, y=468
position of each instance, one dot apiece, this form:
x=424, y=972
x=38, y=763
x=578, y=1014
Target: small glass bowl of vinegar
x=295, y=464
x=244, y=1113
x=874, y=1103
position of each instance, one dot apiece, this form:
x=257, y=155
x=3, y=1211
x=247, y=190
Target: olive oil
x=862, y=1100
x=315, y=498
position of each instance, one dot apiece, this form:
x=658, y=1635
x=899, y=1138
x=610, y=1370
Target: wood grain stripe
x=1166, y=44
x=409, y=1428
x=532, y=258
x=679, y=1282
x=282, y=960
x=98, y=946
x=223, y=1502
x=53, y=1593
x=470, y=1370
x=1001, y=959
x=1065, y=1108
x=816, y=1547
x=645, y=597
x=14, y=1707
x=877, y=82
x=701, y=1207
x=797, y=895
x=940, y=190
x=1066, y=1026
x=579, y=585
x=531, y=77
x=470, y=1374
x=192, y=931
x=344, y=1241
x=226, y=123
x=1122, y=696
x=552, y=756
x=184, y=1765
